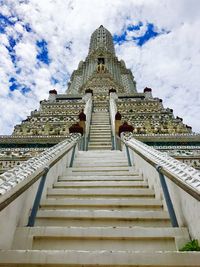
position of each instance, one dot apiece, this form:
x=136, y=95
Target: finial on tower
x=101, y=38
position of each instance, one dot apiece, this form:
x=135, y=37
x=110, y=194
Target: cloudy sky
x=42, y=42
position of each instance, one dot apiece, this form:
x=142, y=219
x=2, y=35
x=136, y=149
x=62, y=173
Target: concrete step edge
x=101, y=214
x=106, y=232
x=104, y=258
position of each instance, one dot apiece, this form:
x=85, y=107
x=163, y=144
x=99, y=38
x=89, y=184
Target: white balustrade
x=19, y=185
x=88, y=112
x=113, y=111
x=169, y=135
x=183, y=172
x=182, y=180
x=14, y=176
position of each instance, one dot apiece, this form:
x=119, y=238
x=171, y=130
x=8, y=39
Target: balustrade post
x=170, y=207
x=31, y=220
x=72, y=157
x=128, y=156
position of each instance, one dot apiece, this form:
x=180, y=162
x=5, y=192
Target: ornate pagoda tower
x=106, y=81
x=87, y=197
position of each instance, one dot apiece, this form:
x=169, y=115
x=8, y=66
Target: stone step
x=101, y=119
x=96, y=137
x=101, y=156
x=100, y=114
x=100, y=123
x=99, y=164
x=101, y=146
x=102, y=159
x=99, y=143
x=100, y=126
x=104, y=214
x=100, y=130
x=96, y=130
x=98, y=218
x=100, y=222
x=100, y=184
x=96, y=192
x=101, y=258
x=96, y=238
x=104, y=137
x=91, y=147
x=134, y=177
x=92, y=163
x=108, y=155
x=96, y=160
x=102, y=203
x=99, y=173
x=97, y=133
x=97, y=168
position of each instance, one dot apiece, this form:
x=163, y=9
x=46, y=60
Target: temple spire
x=101, y=38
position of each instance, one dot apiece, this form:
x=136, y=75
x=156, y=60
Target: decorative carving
x=11, y=178
x=186, y=174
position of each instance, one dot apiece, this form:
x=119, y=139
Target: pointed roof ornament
x=101, y=39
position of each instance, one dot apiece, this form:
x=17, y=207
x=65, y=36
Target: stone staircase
x=100, y=131
x=100, y=213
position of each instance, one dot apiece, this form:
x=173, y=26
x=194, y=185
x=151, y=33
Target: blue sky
x=41, y=44
x=42, y=57
x=149, y=33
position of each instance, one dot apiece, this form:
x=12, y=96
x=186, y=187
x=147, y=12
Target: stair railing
x=88, y=113
x=113, y=111
x=181, y=189
x=28, y=181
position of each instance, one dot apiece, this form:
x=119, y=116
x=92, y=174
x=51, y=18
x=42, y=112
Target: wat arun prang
x=98, y=75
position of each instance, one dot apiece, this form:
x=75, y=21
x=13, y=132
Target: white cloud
x=169, y=63
x=26, y=53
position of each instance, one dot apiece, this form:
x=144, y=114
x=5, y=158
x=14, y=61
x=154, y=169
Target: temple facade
x=104, y=79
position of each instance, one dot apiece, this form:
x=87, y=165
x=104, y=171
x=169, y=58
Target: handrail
x=167, y=134
x=113, y=111
x=17, y=180
x=181, y=174
x=88, y=112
